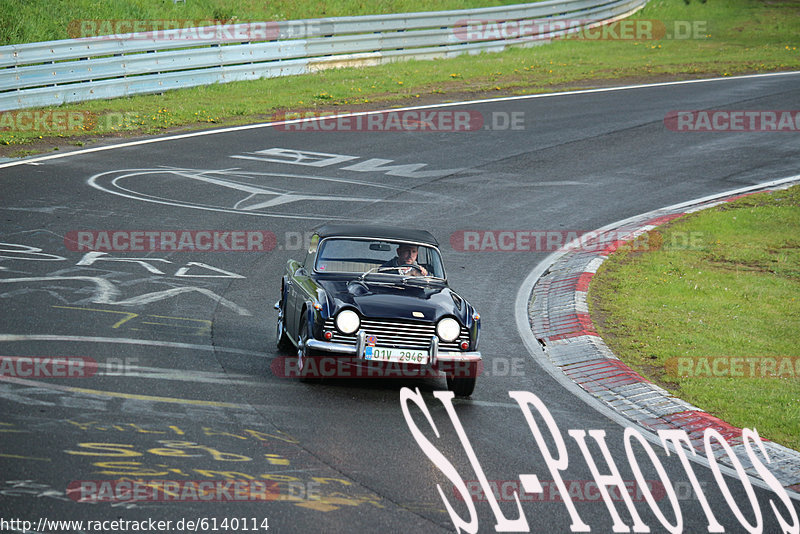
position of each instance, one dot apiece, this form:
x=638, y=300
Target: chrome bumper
x=327, y=346
x=436, y=356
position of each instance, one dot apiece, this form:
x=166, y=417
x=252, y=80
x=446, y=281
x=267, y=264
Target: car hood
x=395, y=299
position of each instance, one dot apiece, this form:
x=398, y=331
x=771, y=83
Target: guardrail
x=74, y=70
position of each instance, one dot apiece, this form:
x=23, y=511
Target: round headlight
x=347, y=322
x=448, y=329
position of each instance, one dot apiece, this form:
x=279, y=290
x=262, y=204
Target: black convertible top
x=376, y=232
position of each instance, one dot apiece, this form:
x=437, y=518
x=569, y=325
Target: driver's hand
x=416, y=268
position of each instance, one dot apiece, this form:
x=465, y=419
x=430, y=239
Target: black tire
x=305, y=355
x=281, y=338
x=462, y=387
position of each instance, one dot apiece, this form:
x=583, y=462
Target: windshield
x=358, y=256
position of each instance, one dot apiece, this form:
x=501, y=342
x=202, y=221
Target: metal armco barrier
x=74, y=70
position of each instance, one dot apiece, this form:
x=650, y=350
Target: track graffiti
x=103, y=290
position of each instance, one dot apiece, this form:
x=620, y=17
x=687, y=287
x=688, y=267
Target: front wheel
x=281, y=338
x=462, y=387
x=307, y=368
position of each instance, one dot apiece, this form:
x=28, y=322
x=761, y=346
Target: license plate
x=396, y=355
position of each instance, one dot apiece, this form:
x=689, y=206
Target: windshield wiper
x=377, y=270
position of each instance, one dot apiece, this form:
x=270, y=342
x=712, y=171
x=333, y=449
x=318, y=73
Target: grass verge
x=739, y=36
x=733, y=292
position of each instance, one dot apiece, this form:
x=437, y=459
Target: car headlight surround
x=347, y=322
x=448, y=329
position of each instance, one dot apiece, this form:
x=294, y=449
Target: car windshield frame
x=433, y=251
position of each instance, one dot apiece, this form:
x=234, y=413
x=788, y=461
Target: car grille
x=394, y=333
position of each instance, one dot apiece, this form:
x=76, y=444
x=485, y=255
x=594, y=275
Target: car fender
x=309, y=319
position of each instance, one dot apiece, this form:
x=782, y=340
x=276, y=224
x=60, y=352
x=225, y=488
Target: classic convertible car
x=377, y=297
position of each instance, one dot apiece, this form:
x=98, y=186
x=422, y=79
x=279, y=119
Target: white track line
x=35, y=160
x=4, y=338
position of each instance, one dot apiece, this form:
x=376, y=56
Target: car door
x=300, y=288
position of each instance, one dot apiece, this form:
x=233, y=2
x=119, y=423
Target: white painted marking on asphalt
x=182, y=272
x=116, y=394
x=114, y=369
x=279, y=197
x=135, y=195
x=180, y=375
x=27, y=252
x=555, y=182
x=107, y=293
x=540, y=358
x=252, y=191
x=149, y=298
x=90, y=258
x=5, y=338
x=35, y=160
x=104, y=293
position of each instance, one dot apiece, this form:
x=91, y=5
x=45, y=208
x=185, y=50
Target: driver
x=407, y=255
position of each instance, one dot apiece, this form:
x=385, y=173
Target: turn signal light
x=328, y=335
x=464, y=345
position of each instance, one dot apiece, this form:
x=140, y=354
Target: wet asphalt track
x=186, y=340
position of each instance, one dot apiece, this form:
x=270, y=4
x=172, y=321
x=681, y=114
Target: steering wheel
x=402, y=269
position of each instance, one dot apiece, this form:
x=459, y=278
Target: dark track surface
x=342, y=450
